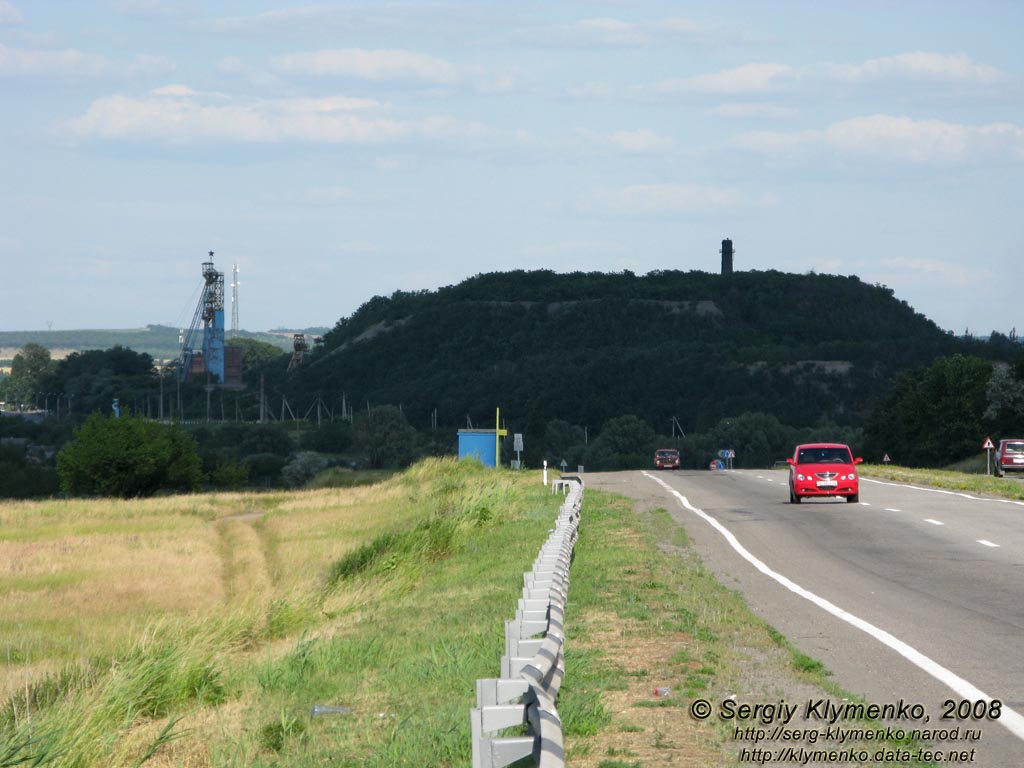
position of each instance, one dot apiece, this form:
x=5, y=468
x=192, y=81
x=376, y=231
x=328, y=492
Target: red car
x=666, y=458
x=823, y=469
x=1009, y=456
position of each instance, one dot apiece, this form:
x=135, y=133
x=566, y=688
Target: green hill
x=585, y=347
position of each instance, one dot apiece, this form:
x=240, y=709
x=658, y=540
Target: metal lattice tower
x=209, y=317
x=234, y=302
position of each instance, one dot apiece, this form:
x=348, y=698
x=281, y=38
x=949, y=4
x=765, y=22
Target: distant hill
x=158, y=341
x=585, y=347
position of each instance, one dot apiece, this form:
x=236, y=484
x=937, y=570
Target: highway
x=913, y=594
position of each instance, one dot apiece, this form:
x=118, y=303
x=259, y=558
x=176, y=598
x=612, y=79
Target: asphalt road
x=913, y=595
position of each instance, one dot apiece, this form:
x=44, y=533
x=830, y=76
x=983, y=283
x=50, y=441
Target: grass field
x=200, y=631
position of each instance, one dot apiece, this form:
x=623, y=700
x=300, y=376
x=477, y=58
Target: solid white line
x=942, y=491
x=933, y=522
x=987, y=543
x=1010, y=719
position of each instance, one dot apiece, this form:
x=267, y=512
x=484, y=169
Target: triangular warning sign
x=886, y=459
x=988, y=446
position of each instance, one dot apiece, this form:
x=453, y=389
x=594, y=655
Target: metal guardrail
x=532, y=666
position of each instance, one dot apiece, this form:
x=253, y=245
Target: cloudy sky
x=340, y=150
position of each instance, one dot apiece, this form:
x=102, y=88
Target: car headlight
x=800, y=477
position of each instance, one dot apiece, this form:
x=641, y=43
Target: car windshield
x=824, y=456
x=1016, y=447
x=666, y=454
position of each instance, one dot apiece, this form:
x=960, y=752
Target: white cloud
x=174, y=89
x=891, y=138
x=572, y=248
x=640, y=141
x=956, y=274
x=370, y=65
x=773, y=78
x=643, y=140
x=182, y=117
x=747, y=110
x=748, y=78
x=9, y=14
x=27, y=61
x=17, y=62
x=610, y=32
x=646, y=199
x=605, y=31
x=919, y=65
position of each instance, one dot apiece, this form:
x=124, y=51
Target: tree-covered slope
x=588, y=346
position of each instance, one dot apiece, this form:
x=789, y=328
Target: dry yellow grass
x=79, y=577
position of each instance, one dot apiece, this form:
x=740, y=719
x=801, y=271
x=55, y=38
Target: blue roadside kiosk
x=483, y=444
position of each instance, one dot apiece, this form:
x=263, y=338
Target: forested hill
x=585, y=347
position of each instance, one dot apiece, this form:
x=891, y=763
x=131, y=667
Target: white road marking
x=1010, y=719
x=890, y=509
x=933, y=522
x=987, y=543
x=944, y=492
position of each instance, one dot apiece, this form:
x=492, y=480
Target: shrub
x=128, y=457
x=303, y=468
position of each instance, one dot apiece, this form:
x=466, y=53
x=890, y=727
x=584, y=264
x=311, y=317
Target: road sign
x=989, y=445
x=886, y=459
x=564, y=464
x=517, y=441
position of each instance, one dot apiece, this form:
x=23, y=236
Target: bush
x=230, y=474
x=265, y=468
x=330, y=437
x=128, y=457
x=303, y=468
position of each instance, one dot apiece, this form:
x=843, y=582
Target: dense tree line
x=588, y=347
x=595, y=369
x=940, y=414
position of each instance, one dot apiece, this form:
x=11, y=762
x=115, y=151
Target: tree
x=28, y=369
x=385, y=437
x=1005, y=392
x=303, y=467
x=933, y=416
x=256, y=352
x=128, y=457
x=92, y=379
x=625, y=442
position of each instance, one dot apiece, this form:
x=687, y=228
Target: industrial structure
x=202, y=347
x=726, y=256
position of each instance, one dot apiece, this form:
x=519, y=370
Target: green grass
x=397, y=629
x=388, y=601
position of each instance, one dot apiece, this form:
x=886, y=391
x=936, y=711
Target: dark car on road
x=666, y=458
x=1010, y=456
x=823, y=469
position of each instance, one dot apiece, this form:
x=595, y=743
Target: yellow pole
x=497, y=439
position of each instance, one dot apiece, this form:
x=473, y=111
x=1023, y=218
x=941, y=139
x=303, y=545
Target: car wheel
x=853, y=498
x=793, y=498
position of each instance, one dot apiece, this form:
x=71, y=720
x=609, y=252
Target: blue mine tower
x=209, y=317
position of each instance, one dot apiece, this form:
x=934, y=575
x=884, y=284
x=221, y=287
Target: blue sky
x=336, y=151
